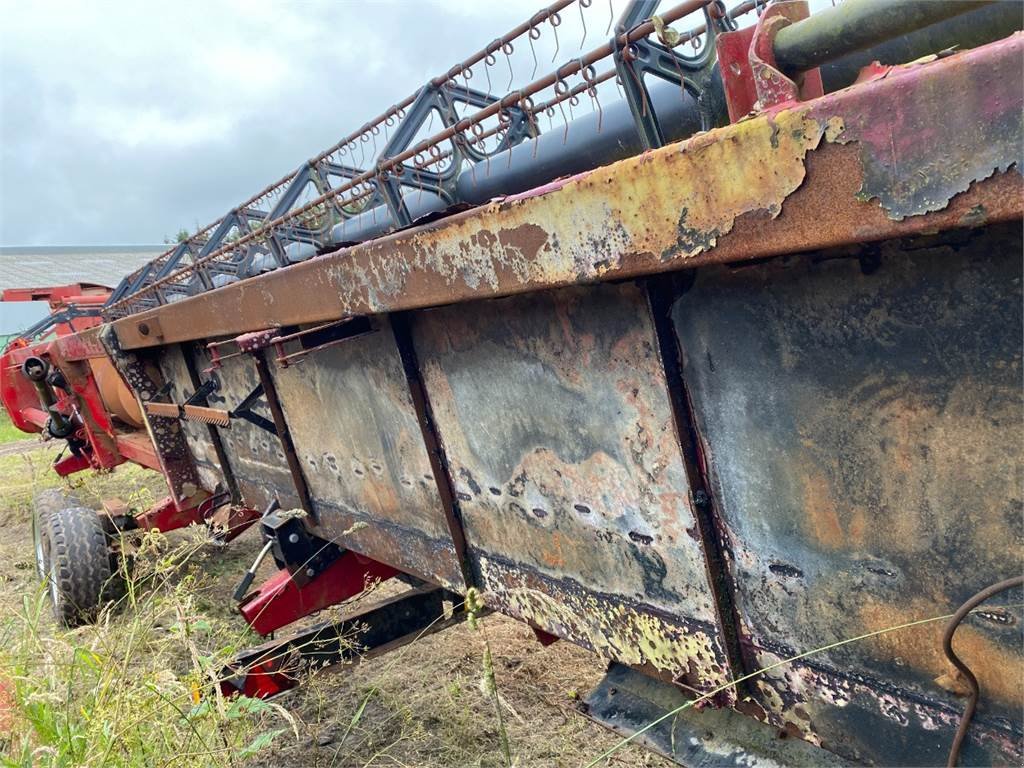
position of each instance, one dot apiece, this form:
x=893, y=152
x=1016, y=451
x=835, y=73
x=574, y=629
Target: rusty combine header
x=701, y=351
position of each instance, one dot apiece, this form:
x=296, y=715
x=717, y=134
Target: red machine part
x=165, y=516
x=60, y=295
x=280, y=601
x=261, y=681
x=109, y=425
x=753, y=82
x=227, y=521
x=65, y=297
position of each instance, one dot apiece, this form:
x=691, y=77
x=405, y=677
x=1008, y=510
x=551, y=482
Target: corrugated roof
x=40, y=266
x=45, y=265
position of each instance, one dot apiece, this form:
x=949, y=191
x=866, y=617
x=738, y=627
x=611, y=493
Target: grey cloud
x=124, y=124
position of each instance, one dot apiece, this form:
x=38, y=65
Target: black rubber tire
x=80, y=578
x=46, y=503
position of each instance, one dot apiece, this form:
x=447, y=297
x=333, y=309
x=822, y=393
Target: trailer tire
x=80, y=577
x=46, y=503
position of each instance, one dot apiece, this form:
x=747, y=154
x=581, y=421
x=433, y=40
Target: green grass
x=122, y=692
x=135, y=688
x=10, y=433
x=23, y=475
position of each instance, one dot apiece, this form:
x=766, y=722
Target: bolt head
x=294, y=538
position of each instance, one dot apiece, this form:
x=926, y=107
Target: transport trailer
x=728, y=411
x=57, y=380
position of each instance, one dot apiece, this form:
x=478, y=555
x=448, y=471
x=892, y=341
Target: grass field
x=10, y=433
x=126, y=692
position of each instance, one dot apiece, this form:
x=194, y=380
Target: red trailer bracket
x=280, y=600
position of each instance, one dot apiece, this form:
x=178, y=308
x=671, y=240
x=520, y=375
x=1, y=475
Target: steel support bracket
x=282, y=598
x=276, y=666
x=750, y=75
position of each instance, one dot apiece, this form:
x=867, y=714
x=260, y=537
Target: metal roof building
x=41, y=266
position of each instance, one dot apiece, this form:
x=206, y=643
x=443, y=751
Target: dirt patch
x=20, y=446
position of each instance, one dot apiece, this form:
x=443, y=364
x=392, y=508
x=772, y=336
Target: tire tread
x=78, y=548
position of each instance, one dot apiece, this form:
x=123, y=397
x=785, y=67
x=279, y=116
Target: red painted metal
x=238, y=520
x=753, y=81
x=20, y=398
x=280, y=601
x=733, y=50
x=72, y=347
x=166, y=516
x=138, y=448
x=63, y=297
x=71, y=464
x=60, y=295
x=261, y=681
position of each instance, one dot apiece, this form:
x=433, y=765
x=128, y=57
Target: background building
x=44, y=265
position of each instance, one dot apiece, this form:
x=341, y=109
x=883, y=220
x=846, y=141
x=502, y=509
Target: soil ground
x=422, y=705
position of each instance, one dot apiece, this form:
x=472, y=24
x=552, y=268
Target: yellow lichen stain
x=798, y=718
x=616, y=632
x=675, y=201
x=693, y=196
x=788, y=716
x=834, y=128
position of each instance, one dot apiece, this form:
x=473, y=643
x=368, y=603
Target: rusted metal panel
x=142, y=374
x=861, y=415
x=778, y=183
x=257, y=459
x=915, y=160
x=554, y=415
x=197, y=436
x=358, y=437
x=81, y=345
x=628, y=702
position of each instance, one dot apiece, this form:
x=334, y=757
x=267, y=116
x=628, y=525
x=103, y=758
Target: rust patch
x=624, y=220
x=823, y=517
x=996, y=666
x=862, y=410
x=554, y=415
x=673, y=647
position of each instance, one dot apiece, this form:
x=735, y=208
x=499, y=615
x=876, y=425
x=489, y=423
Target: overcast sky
x=124, y=122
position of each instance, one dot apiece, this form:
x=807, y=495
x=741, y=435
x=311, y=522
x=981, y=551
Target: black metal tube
x=589, y=141
x=856, y=24
x=35, y=369
x=563, y=152
x=983, y=24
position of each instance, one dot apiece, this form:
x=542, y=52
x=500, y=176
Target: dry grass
x=423, y=705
